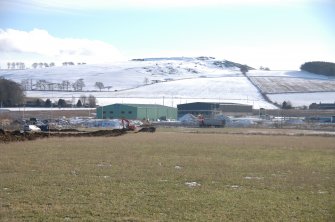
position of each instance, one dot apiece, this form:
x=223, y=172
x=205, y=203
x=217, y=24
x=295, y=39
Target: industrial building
x=136, y=111
x=208, y=109
x=322, y=106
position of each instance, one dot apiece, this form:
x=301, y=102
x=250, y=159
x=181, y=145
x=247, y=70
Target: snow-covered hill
x=171, y=81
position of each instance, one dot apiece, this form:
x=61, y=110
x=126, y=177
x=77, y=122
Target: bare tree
x=99, y=85
x=8, y=64
x=50, y=86
x=52, y=64
x=34, y=65
x=78, y=85
x=13, y=65
x=146, y=81
x=25, y=83
x=92, y=101
x=83, y=99
x=41, y=84
x=58, y=86
x=66, y=85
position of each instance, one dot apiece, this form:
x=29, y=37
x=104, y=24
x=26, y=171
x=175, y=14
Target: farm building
x=322, y=106
x=210, y=109
x=136, y=111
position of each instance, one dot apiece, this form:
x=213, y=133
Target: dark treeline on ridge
x=11, y=93
x=323, y=68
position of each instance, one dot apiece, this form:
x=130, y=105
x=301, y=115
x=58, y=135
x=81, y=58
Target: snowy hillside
x=171, y=81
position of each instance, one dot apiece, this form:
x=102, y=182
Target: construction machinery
x=130, y=126
x=127, y=125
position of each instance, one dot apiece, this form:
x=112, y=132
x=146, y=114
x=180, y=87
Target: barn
x=209, y=109
x=136, y=111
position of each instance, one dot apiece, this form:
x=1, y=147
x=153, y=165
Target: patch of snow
x=188, y=119
x=303, y=99
x=192, y=184
x=242, y=122
x=253, y=178
x=104, y=165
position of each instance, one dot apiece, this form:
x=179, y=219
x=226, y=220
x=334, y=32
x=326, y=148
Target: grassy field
x=169, y=176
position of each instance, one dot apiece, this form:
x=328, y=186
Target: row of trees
x=264, y=68
x=72, y=63
x=35, y=65
x=323, y=68
x=83, y=101
x=65, y=85
x=16, y=65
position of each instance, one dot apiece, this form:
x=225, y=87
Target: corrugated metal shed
x=136, y=111
x=208, y=109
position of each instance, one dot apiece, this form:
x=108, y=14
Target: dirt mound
x=64, y=130
x=150, y=129
x=15, y=136
x=114, y=132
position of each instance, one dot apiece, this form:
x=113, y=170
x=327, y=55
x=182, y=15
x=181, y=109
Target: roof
x=216, y=103
x=140, y=105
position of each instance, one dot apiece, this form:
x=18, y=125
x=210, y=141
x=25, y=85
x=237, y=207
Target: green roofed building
x=136, y=111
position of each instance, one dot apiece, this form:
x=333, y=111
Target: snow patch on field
x=303, y=99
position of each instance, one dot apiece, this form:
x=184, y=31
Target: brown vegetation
x=169, y=176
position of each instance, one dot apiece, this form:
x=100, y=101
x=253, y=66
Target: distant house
x=136, y=111
x=322, y=106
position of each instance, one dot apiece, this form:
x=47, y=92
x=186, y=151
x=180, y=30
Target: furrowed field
x=169, y=176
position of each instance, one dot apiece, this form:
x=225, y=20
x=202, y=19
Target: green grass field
x=169, y=176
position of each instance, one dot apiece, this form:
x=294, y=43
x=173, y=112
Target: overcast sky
x=280, y=34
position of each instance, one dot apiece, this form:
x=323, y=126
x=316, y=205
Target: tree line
x=16, y=65
x=35, y=65
x=83, y=101
x=44, y=85
x=322, y=68
x=65, y=85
